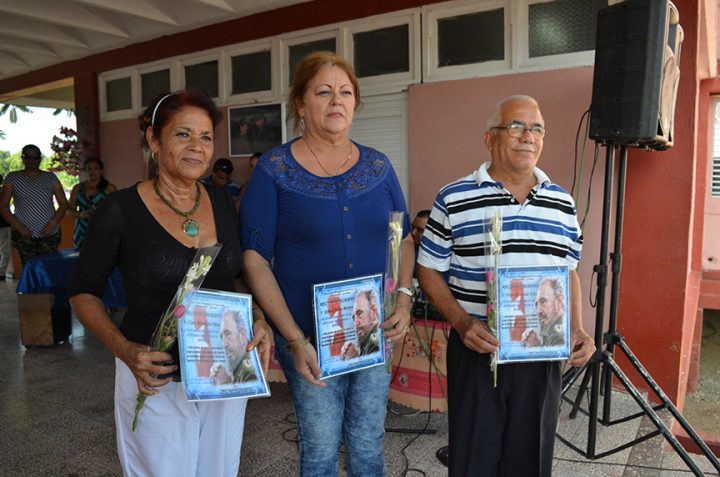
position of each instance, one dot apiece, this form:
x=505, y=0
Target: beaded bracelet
x=297, y=344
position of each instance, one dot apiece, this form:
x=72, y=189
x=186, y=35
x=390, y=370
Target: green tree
x=10, y=162
x=13, y=162
x=12, y=111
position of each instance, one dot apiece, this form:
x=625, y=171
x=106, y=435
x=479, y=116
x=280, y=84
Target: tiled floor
x=56, y=419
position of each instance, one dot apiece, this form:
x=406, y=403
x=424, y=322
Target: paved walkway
x=56, y=419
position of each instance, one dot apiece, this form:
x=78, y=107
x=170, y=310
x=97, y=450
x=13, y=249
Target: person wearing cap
x=220, y=177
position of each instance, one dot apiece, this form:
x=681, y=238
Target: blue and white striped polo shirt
x=33, y=199
x=541, y=231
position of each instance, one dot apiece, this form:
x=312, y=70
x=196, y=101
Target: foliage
x=12, y=110
x=70, y=112
x=67, y=180
x=9, y=162
x=13, y=162
x=68, y=175
x=67, y=151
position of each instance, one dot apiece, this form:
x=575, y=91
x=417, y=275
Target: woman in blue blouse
x=317, y=208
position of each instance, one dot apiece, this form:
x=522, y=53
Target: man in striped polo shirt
x=508, y=430
x=36, y=222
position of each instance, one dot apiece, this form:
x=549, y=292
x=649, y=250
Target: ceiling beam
x=33, y=30
x=63, y=83
x=62, y=13
x=221, y=4
x=12, y=59
x=138, y=8
x=26, y=46
x=35, y=101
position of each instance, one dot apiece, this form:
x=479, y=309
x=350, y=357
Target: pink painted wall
x=711, y=232
x=447, y=122
x=122, y=153
x=663, y=235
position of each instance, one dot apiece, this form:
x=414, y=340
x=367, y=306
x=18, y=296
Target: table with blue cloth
x=50, y=274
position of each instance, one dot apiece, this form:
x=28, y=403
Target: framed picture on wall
x=255, y=128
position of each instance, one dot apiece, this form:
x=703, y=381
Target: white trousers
x=176, y=437
x=5, y=249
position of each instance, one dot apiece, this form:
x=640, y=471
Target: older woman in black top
x=152, y=231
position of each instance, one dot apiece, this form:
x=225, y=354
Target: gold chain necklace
x=342, y=166
x=189, y=227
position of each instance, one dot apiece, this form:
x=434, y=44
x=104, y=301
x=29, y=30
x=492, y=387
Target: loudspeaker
x=636, y=74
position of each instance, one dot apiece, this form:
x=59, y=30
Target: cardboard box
x=36, y=324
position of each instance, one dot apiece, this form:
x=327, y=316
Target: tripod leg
x=679, y=449
x=601, y=269
x=671, y=407
x=580, y=394
x=569, y=378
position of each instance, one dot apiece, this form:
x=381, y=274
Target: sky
x=37, y=128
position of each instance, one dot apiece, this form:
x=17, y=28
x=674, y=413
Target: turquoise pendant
x=191, y=228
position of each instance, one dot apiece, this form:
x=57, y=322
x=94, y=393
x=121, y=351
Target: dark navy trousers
x=506, y=431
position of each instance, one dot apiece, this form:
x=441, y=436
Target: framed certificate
x=213, y=331
x=533, y=312
x=348, y=314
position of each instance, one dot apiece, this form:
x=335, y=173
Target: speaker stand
x=604, y=362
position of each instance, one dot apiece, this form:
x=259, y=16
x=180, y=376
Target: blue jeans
x=351, y=409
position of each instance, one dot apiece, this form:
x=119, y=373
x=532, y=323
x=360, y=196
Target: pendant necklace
x=189, y=227
x=342, y=166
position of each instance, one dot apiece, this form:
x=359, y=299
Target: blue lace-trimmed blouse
x=319, y=229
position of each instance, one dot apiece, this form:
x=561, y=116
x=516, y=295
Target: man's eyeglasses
x=518, y=129
x=31, y=157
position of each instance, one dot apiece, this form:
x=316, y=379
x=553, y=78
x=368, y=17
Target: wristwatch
x=409, y=292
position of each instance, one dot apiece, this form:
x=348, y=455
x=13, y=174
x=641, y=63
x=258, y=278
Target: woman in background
x=85, y=197
x=35, y=221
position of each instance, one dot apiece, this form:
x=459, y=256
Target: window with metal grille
x=119, y=94
x=715, y=180
x=298, y=52
x=471, y=38
x=381, y=52
x=562, y=26
x=251, y=72
x=154, y=84
x=203, y=77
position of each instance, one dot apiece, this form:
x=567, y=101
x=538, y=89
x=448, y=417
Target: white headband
x=152, y=121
